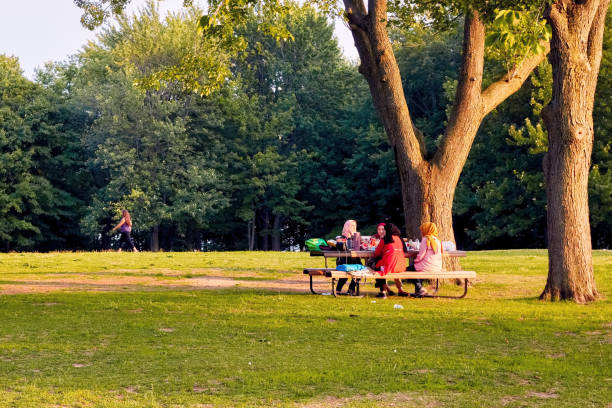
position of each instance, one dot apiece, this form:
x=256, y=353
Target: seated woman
x=429, y=257
x=373, y=244
x=375, y=239
x=348, y=231
x=390, y=250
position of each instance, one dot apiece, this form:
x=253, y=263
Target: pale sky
x=38, y=31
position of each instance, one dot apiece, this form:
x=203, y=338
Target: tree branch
x=596, y=35
x=355, y=14
x=553, y=15
x=379, y=67
x=500, y=90
x=355, y=8
x=467, y=109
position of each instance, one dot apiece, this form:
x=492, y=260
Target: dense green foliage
x=287, y=148
x=41, y=164
x=503, y=195
x=138, y=144
x=149, y=345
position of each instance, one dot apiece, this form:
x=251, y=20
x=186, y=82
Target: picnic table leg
x=357, y=287
x=333, y=286
x=465, y=289
x=311, y=289
x=437, y=287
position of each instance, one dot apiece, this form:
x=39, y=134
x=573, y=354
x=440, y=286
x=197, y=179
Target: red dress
x=393, y=260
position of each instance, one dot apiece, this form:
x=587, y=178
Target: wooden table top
x=370, y=254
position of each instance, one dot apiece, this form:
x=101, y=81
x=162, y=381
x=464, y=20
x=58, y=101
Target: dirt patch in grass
x=80, y=283
x=123, y=283
x=566, y=333
x=543, y=395
x=379, y=400
x=143, y=280
x=166, y=329
x=195, y=272
x=509, y=399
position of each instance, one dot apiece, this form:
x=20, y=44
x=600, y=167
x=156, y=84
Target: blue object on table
x=350, y=267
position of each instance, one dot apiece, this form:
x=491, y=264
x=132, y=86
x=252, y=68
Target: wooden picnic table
x=335, y=274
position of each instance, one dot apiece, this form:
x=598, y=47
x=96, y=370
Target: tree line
x=283, y=146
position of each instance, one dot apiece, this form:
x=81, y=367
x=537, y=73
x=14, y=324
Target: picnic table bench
x=358, y=275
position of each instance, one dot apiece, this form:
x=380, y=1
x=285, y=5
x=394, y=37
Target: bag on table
x=314, y=244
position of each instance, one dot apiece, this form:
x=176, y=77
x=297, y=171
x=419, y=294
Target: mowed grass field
x=135, y=330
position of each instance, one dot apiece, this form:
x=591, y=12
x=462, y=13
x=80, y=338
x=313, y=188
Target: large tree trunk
x=276, y=232
x=432, y=200
x=575, y=55
x=155, y=239
x=197, y=241
x=251, y=234
x=428, y=181
x=265, y=231
x=190, y=239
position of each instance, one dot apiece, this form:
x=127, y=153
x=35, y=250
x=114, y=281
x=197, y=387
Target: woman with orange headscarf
x=429, y=257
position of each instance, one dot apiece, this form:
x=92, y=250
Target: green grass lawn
x=499, y=347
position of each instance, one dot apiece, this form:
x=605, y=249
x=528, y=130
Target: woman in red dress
x=390, y=250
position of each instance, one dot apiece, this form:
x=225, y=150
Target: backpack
x=314, y=244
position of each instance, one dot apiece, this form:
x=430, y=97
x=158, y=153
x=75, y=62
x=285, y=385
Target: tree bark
x=276, y=232
x=265, y=231
x=197, y=241
x=428, y=181
x=155, y=239
x=190, y=239
x=251, y=233
x=575, y=56
x=106, y=238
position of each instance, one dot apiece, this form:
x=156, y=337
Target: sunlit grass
x=500, y=346
x=269, y=264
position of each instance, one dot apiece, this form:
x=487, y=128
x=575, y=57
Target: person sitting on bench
x=375, y=239
x=348, y=232
x=390, y=250
x=429, y=257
